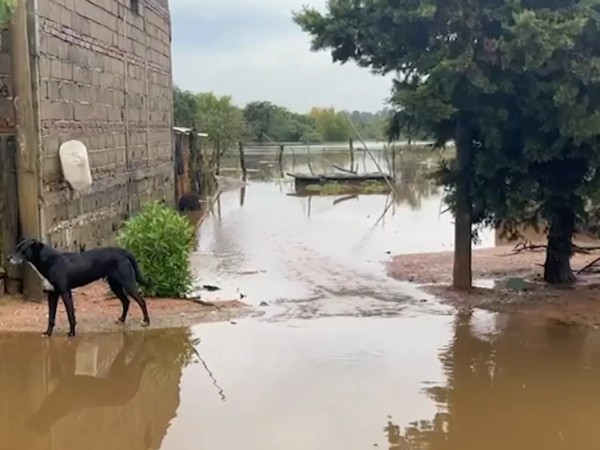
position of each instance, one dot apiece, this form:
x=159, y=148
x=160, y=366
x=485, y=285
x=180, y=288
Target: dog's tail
x=138, y=273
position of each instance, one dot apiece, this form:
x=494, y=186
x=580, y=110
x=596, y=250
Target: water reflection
x=413, y=183
x=111, y=391
x=323, y=384
x=524, y=387
x=75, y=392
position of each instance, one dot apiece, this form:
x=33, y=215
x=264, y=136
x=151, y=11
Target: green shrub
x=161, y=240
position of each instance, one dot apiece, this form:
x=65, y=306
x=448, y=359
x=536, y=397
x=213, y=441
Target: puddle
x=427, y=382
x=106, y=391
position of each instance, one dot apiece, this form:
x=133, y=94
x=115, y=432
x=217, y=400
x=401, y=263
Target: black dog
x=66, y=271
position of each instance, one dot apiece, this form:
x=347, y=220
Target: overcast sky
x=251, y=50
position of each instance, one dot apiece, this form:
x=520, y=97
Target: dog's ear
x=36, y=246
x=21, y=245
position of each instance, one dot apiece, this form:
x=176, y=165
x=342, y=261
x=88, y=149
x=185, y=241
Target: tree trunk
x=218, y=159
x=462, y=276
x=557, y=268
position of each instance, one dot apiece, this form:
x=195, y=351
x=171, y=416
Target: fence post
x=10, y=209
x=351, y=142
x=242, y=159
x=280, y=159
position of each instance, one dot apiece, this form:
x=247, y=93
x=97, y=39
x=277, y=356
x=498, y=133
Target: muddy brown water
x=343, y=358
x=430, y=381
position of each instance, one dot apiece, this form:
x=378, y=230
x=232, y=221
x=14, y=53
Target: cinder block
x=55, y=68
x=50, y=145
x=66, y=111
x=51, y=168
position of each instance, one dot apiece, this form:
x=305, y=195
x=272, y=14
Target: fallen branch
x=385, y=210
x=335, y=166
x=527, y=246
x=210, y=287
x=585, y=250
x=588, y=266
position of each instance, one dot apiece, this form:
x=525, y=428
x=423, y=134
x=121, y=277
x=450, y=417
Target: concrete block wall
x=104, y=79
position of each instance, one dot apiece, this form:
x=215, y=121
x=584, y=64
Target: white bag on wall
x=75, y=165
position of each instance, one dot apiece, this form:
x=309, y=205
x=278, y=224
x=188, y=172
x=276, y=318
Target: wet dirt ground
x=97, y=310
x=343, y=356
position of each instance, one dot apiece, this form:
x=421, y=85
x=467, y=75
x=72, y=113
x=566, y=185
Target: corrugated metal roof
x=185, y=130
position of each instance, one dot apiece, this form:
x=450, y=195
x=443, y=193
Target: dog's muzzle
x=15, y=259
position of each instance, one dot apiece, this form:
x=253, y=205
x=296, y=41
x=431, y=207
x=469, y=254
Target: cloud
x=251, y=50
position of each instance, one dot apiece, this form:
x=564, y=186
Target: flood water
x=343, y=357
x=316, y=255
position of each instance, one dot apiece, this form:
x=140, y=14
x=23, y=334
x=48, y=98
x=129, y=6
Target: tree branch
x=528, y=246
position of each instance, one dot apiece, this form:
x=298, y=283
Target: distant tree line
x=263, y=121
x=7, y=8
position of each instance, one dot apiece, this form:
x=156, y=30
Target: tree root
x=528, y=246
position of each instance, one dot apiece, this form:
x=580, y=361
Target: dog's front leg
x=52, y=306
x=68, y=301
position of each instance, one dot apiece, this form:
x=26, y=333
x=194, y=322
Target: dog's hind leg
x=132, y=290
x=67, y=298
x=116, y=287
x=52, y=306
x=125, y=276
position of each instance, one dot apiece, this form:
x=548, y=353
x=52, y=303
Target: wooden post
x=293, y=158
x=10, y=210
x=194, y=186
x=308, y=159
x=179, y=167
x=394, y=161
x=219, y=214
x=243, y=194
x=218, y=156
x=280, y=159
x=351, y=142
x=242, y=159
x=280, y=156
x=3, y=166
x=25, y=79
